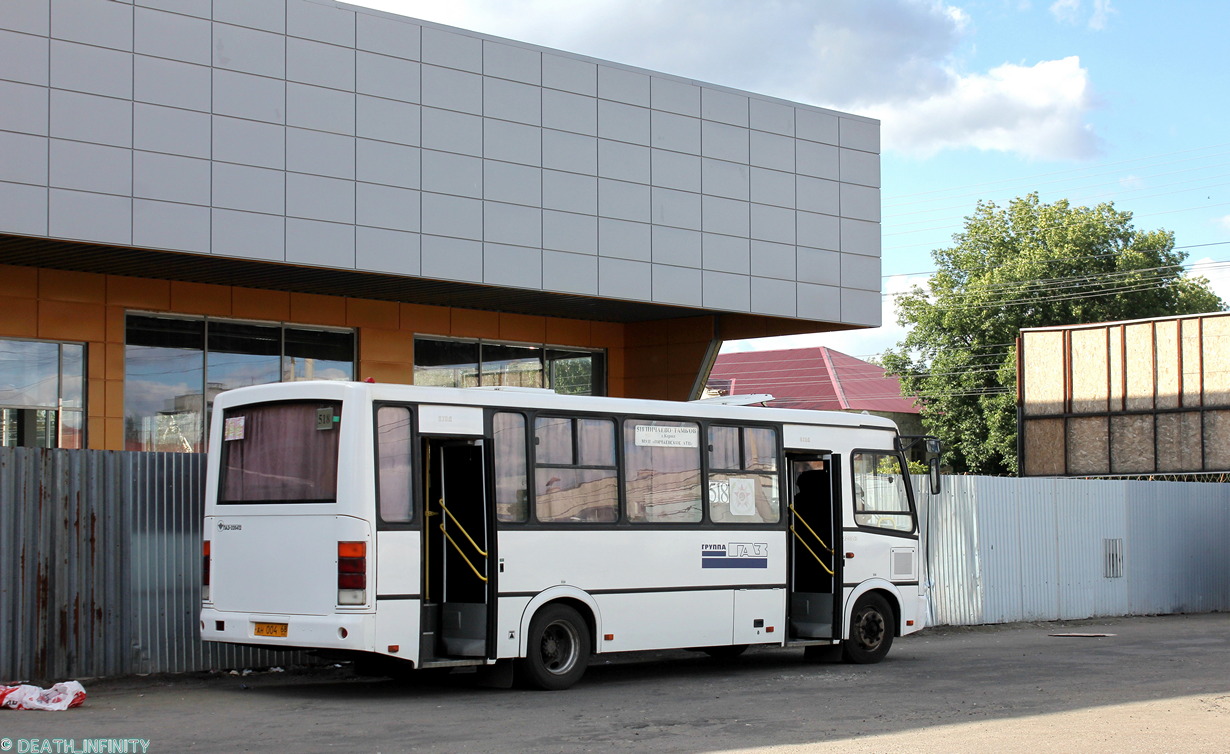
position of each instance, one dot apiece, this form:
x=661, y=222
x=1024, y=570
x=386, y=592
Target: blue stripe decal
x=724, y=562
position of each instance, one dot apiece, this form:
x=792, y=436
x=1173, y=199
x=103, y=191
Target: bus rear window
x=280, y=453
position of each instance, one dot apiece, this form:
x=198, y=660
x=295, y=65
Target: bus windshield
x=280, y=453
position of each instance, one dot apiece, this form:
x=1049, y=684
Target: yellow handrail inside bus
x=813, y=531
x=463, y=529
x=803, y=542
x=813, y=552
x=457, y=547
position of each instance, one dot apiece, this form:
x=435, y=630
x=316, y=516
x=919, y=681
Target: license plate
x=270, y=629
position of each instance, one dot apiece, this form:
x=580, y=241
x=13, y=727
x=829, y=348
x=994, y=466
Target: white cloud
x=1066, y=11
x=1132, y=182
x=1036, y=111
x=899, y=60
x=1071, y=12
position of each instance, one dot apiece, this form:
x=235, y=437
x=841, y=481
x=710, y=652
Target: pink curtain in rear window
x=282, y=456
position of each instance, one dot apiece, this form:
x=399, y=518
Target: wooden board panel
x=1043, y=447
x=1090, y=371
x=1139, y=365
x=1042, y=373
x=1117, y=385
x=1179, y=443
x=1131, y=450
x=1216, y=440
x=1087, y=446
x=1217, y=361
x=1167, y=359
x=1192, y=350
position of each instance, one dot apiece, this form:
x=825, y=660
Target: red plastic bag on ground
x=59, y=697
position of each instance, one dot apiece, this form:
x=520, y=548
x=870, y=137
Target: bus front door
x=456, y=543
x=815, y=568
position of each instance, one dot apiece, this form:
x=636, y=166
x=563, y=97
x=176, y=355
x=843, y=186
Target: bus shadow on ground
x=757, y=665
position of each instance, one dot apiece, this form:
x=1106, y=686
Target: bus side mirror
x=933, y=475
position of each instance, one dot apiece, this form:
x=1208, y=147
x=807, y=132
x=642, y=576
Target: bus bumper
x=353, y=632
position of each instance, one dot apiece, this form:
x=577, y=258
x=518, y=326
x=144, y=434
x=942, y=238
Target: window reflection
x=175, y=367
x=575, y=475
x=393, y=448
x=511, y=485
x=41, y=394
x=880, y=496
x=518, y=366
x=445, y=363
x=743, y=485
x=462, y=363
x=662, y=468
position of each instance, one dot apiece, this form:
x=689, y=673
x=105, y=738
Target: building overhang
x=247, y=273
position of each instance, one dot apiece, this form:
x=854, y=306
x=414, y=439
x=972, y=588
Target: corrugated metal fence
x=100, y=558
x=1005, y=549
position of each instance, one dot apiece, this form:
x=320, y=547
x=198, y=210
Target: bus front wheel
x=871, y=631
x=558, y=651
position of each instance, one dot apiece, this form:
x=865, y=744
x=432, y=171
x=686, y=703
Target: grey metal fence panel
x=1004, y=549
x=100, y=566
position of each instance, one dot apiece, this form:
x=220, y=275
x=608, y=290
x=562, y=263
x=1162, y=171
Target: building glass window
x=42, y=394
x=471, y=363
x=174, y=367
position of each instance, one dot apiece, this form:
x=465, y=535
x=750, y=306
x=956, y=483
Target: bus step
x=451, y=663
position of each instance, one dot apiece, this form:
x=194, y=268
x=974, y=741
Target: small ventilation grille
x=1112, y=558
x=903, y=564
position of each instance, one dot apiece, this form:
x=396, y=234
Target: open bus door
x=815, y=541
x=457, y=578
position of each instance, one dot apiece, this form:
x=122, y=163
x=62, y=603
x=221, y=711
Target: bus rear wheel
x=558, y=651
x=871, y=631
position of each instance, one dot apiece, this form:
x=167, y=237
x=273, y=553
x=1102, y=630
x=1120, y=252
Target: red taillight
x=351, y=573
x=205, y=570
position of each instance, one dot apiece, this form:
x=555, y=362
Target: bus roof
x=542, y=399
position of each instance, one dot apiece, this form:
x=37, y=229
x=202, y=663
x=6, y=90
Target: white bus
x=524, y=530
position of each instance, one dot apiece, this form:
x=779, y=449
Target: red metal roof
x=811, y=378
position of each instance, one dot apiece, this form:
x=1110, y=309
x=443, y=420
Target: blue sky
x=1089, y=100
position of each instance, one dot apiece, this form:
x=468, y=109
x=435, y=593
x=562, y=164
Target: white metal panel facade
x=322, y=134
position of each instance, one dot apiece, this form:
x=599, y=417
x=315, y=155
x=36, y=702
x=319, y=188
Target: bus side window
x=880, y=498
x=393, y=445
x=662, y=471
x=511, y=476
x=574, y=470
x=743, y=475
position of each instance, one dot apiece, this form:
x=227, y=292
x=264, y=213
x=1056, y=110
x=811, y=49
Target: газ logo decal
x=735, y=555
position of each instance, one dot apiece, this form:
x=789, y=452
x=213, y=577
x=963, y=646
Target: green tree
x=1029, y=264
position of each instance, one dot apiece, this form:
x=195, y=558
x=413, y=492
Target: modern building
x=1144, y=397
x=202, y=194
x=818, y=379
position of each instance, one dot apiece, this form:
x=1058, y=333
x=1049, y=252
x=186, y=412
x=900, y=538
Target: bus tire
x=558, y=650
x=871, y=631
